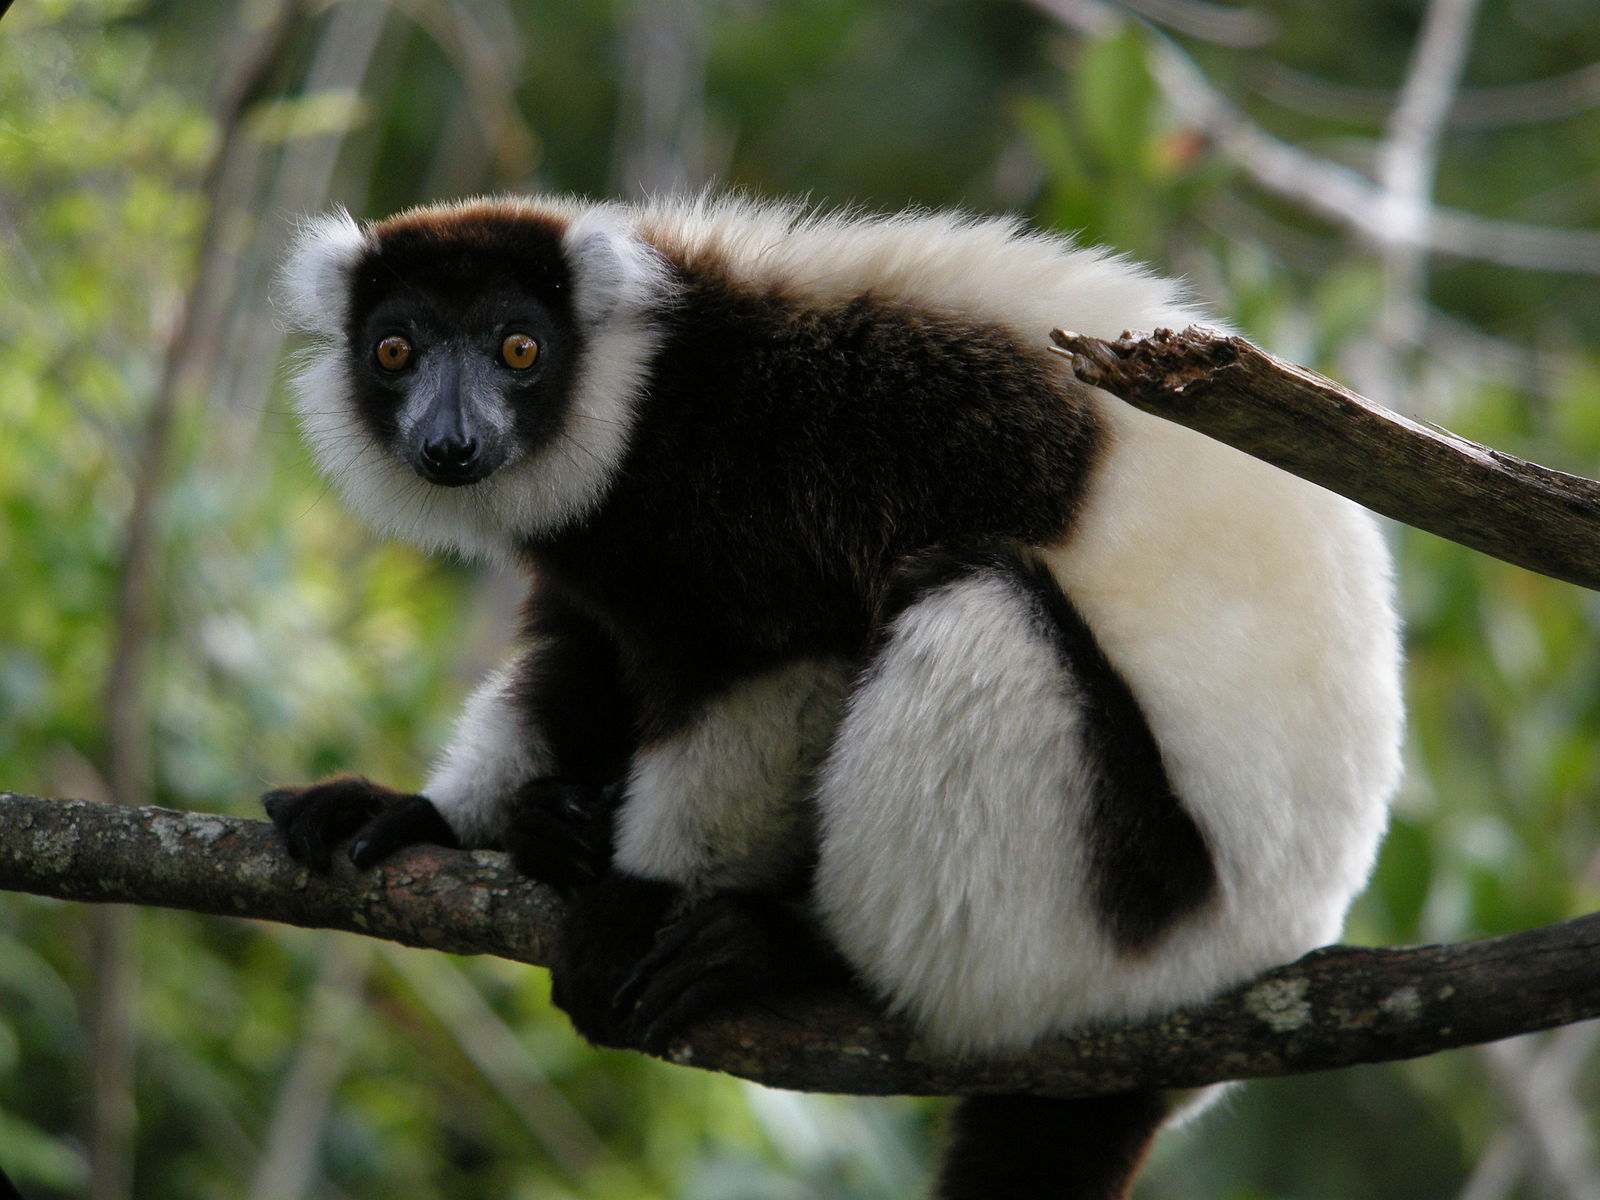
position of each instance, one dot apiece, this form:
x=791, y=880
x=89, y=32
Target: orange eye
x=519, y=351
x=393, y=353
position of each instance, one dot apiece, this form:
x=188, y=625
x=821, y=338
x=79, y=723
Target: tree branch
x=1337, y=193
x=1287, y=415
x=1333, y=1008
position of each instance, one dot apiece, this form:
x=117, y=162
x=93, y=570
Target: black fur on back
x=1150, y=862
x=786, y=457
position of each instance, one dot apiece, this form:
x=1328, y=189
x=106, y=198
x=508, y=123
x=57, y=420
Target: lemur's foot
x=609, y=928
x=663, y=972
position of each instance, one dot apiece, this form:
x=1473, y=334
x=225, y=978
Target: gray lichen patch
x=1281, y=1004
x=207, y=829
x=1405, y=1002
x=171, y=832
x=54, y=850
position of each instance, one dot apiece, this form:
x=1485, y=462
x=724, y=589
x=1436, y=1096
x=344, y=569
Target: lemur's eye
x=393, y=352
x=519, y=351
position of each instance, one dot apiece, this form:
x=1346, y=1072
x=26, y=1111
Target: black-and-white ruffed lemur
x=862, y=639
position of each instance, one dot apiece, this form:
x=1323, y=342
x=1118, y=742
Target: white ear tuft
x=615, y=273
x=315, y=281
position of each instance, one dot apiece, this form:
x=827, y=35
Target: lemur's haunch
x=862, y=637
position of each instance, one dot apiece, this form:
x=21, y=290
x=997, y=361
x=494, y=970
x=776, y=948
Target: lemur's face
x=461, y=350
x=475, y=369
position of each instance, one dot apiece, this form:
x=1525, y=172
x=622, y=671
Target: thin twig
x=488, y=69
x=1219, y=24
x=1328, y=189
x=506, y=1064
x=1408, y=161
x=1537, y=1080
x=1497, y=107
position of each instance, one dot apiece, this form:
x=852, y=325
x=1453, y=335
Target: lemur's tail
x=1027, y=1147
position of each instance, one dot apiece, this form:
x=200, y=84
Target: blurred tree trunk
x=128, y=768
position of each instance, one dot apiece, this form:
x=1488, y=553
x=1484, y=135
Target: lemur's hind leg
x=704, y=909
x=998, y=836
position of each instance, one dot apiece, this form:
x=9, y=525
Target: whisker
x=573, y=443
x=322, y=494
x=615, y=424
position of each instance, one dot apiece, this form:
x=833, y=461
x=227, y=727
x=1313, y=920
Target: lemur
x=863, y=643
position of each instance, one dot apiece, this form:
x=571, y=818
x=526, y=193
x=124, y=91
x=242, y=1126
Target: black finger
x=313, y=818
x=693, y=937
x=407, y=822
x=654, y=1027
x=655, y=989
x=556, y=851
x=281, y=804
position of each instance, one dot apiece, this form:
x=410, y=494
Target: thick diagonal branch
x=1288, y=415
x=1336, y=1007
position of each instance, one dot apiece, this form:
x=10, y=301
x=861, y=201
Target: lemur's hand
x=560, y=832
x=313, y=818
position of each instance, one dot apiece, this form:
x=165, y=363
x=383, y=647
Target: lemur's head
x=476, y=366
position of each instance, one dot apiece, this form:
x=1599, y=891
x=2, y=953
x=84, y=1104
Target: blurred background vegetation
x=1394, y=191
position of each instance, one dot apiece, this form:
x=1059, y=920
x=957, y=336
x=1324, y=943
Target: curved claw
x=409, y=821
x=705, y=932
x=724, y=953
x=709, y=993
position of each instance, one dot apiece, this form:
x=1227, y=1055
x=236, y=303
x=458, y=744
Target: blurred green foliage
x=287, y=643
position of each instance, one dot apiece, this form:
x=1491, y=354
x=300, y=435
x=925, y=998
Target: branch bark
x=1287, y=415
x=1334, y=1008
